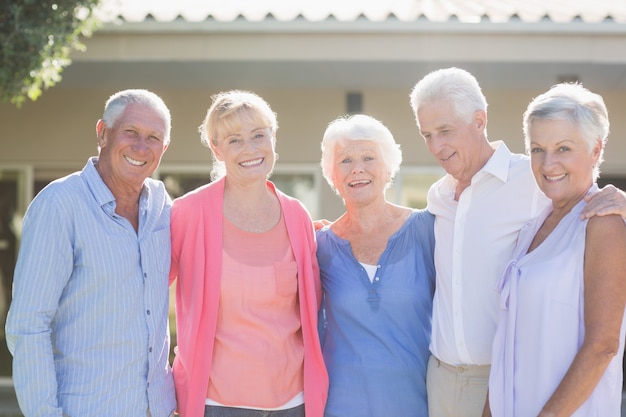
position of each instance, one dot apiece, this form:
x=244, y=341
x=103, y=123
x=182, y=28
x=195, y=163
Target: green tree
x=36, y=38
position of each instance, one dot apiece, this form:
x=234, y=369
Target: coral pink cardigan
x=196, y=227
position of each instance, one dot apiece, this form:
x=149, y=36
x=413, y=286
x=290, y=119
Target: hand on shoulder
x=318, y=224
x=609, y=200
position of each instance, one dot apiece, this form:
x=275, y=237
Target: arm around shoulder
x=609, y=200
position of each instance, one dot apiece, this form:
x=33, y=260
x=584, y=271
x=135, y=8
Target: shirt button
x=148, y=312
x=377, y=279
x=145, y=275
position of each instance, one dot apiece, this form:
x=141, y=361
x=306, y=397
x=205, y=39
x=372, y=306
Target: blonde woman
x=248, y=288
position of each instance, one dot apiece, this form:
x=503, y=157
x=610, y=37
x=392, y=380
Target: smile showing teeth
x=251, y=163
x=359, y=182
x=555, y=177
x=135, y=162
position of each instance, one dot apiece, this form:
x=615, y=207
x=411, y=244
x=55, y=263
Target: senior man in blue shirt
x=88, y=326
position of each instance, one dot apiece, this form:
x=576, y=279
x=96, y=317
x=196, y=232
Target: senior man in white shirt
x=480, y=205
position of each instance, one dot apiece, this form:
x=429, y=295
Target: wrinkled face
x=360, y=174
x=451, y=139
x=247, y=153
x=561, y=160
x=131, y=150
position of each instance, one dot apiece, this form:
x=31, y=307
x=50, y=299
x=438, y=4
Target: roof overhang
x=352, y=55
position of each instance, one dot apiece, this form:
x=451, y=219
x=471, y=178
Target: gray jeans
x=217, y=411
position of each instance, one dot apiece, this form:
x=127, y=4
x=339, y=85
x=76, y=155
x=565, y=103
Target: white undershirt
x=294, y=402
x=370, y=269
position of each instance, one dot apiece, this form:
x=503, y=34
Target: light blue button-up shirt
x=88, y=324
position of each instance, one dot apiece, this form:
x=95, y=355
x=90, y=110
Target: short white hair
x=116, y=104
x=359, y=127
x=451, y=84
x=576, y=104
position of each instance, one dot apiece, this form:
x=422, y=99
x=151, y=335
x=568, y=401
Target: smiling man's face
x=131, y=150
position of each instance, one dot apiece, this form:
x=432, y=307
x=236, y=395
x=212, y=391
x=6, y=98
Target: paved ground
x=9, y=408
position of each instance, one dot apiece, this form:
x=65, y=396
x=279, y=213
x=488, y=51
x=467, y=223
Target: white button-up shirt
x=475, y=237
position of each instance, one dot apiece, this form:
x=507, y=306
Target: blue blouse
x=375, y=335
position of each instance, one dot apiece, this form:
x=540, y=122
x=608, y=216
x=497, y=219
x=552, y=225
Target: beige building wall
x=56, y=134
x=59, y=128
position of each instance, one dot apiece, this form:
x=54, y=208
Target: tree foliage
x=36, y=38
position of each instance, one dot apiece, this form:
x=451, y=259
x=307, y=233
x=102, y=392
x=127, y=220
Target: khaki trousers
x=456, y=391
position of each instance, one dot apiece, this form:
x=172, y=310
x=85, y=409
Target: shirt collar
x=498, y=164
x=96, y=185
x=99, y=189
